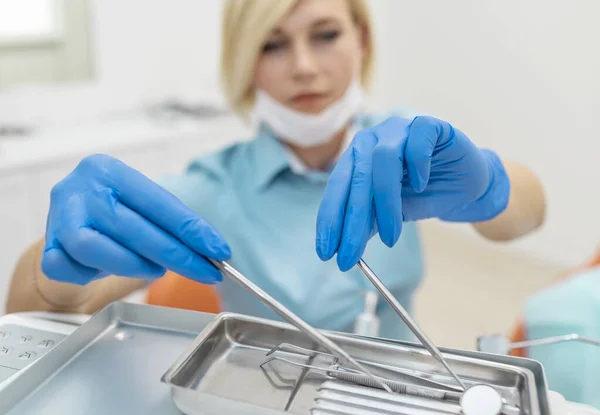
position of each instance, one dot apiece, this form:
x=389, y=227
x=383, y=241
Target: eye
x=273, y=46
x=327, y=35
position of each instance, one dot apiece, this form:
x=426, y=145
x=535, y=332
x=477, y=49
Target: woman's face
x=311, y=56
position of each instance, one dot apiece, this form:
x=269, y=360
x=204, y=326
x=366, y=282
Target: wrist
x=58, y=295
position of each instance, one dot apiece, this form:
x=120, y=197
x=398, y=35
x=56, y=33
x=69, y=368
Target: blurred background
x=139, y=80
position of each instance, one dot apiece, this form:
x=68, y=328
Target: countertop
x=54, y=143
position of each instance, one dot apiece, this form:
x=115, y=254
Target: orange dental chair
x=175, y=291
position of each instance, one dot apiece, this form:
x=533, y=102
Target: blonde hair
x=246, y=26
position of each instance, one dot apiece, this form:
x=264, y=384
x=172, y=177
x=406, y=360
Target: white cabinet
x=45, y=178
x=216, y=137
x=15, y=225
x=152, y=161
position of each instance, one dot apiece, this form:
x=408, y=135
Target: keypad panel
x=21, y=346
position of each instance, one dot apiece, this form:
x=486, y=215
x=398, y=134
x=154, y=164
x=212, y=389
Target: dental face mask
x=308, y=130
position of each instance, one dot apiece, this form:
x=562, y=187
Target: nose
x=304, y=62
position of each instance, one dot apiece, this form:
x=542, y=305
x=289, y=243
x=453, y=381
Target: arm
x=108, y=219
x=526, y=207
x=448, y=177
x=31, y=290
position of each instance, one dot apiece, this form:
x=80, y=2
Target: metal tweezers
x=324, y=341
x=280, y=309
x=401, y=311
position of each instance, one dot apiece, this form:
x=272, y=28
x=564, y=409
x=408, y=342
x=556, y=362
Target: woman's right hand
x=108, y=219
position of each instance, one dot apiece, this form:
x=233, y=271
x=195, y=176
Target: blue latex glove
x=107, y=218
x=406, y=170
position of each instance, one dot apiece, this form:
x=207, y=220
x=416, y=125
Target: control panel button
x=26, y=338
x=28, y=355
x=46, y=343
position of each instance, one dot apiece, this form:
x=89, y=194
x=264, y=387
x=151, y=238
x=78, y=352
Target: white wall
x=143, y=51
x=522, y=77
x=152, y=49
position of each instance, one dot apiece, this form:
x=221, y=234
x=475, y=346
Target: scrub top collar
x=274, y=158
x=269, y=158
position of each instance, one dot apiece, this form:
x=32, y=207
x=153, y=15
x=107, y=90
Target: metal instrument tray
x=112, y=364
x=225, y=361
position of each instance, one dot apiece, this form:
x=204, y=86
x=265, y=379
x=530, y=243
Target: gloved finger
x=388, y=173
x=92, y=249
x=358, y=220
x=77, y=254
x=330, y=218
x=161, y=207
x=422, y=141
x=58, y=266
x=151, y=242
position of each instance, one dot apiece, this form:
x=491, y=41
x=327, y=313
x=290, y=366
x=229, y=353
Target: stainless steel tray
x=225, y=362
x=110, y=365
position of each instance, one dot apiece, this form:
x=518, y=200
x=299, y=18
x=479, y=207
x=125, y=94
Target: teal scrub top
x=267, y=212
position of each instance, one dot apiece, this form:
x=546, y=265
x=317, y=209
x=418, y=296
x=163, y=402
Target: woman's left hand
x=406, y=170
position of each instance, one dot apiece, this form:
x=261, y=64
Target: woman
x=298, y=68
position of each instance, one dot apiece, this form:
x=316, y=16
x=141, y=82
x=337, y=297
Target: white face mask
x=308, y=130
